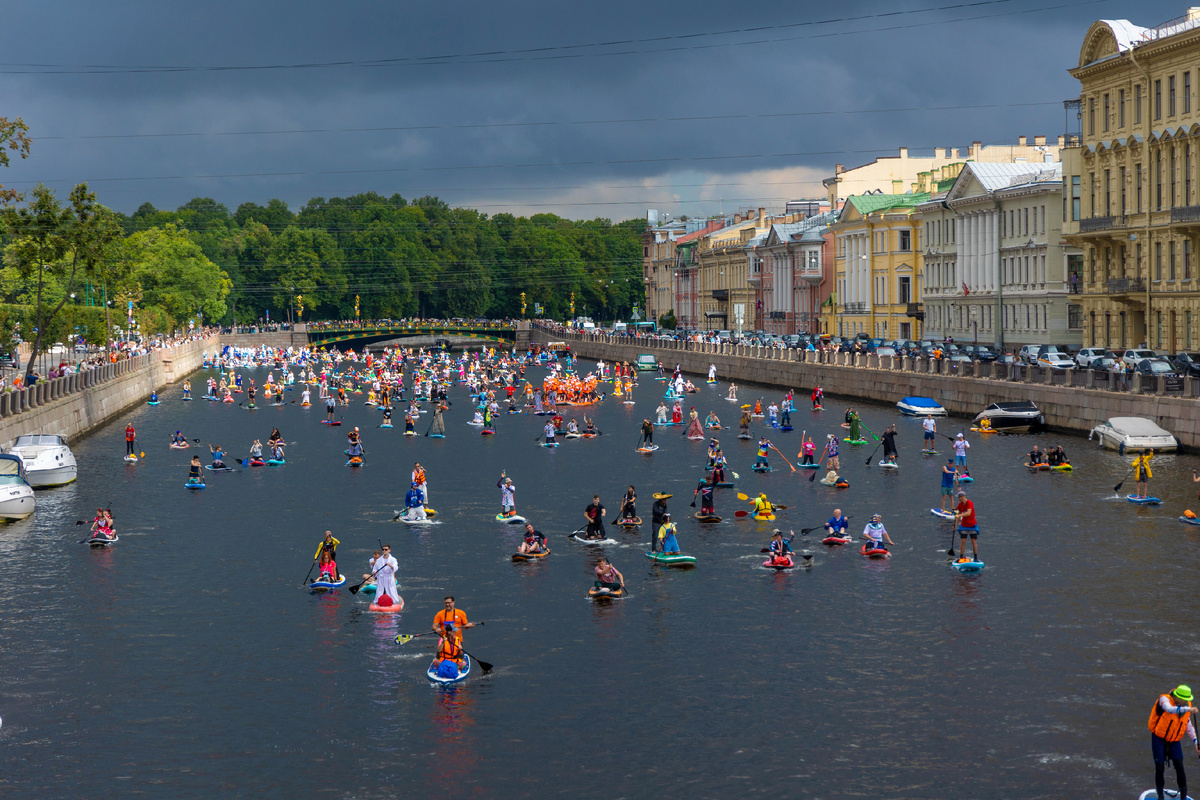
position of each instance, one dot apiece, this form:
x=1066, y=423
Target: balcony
x=915, y=311
x=1097, y=224
x=855, y=308
x=1185, y=214
x=1125, y=285
x=720, y=294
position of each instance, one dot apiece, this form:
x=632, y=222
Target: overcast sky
x=75, y=70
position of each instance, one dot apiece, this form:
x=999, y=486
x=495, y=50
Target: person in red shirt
x=130, y=439
x=964, y=517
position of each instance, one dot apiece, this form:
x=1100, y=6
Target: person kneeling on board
x=414, y=504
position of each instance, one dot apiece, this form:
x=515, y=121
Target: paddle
x=405, y=638
x=485, y=666
x=781, y=455
x=309, y=575
x=950, y=549
x=868, y=430
x=813, y=477
x=873, y=452
x=354, y=589
x=1117, y=488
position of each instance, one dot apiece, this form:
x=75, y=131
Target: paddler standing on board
x=1142, y=473
x=450, y=615
x=386, y=593
x=658, y=513
x=647, y=433
x=1170, y=720
x=508, y=496
x=328, y=545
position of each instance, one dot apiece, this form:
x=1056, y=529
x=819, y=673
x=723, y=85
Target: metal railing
x=1124, y=285
x=1185, y=214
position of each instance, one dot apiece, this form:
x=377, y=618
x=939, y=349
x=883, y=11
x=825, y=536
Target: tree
x=14, y=136
x=172, y=272
x=667, y=321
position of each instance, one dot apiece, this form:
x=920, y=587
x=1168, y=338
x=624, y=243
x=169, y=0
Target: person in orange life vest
x=130, y=439
x=450, y=614
x=449, y=646
x=1168, y=724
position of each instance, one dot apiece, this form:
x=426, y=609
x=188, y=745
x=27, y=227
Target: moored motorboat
x=47, y=458
x=1133, y=435
x=1012, y=416
x=916, y=406
x=16, y=495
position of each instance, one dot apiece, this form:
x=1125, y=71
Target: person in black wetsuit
x=889, y=443
x=706, y=492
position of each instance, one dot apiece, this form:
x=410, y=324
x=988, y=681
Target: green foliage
x=172, y=272
x=668, y=321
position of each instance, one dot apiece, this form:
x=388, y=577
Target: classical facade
x=996, y=266
x=790, y=272
x=658, y=263
x=878, y=267
x=1130, y=197
x=727, y=300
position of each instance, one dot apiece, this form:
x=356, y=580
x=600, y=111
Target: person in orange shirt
x=450, y=614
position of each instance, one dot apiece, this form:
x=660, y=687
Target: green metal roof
x=870, y=203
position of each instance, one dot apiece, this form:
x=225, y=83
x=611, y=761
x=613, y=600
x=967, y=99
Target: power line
x=540, y=53
x=546, y=123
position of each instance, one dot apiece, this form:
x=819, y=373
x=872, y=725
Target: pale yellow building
x=1130, y=195
x=726, y=295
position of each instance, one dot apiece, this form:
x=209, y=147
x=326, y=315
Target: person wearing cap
x=414, y=504
x=876, y=534
x=535, y=541
x=964, y=518
x=508, y=496
x=949, y=477
x=961, y=446
x=779, y=548
x=657, y=512
x=594, y=514
x=1170, y=719
x=668, y=544
x=705, y=489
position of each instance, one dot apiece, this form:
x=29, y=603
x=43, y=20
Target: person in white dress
x=385, y=576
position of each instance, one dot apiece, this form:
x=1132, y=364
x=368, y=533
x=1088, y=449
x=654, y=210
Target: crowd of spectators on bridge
x=414, y=321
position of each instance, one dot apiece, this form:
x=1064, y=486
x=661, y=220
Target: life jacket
x=450, y=648
x=419, y=476
x=1170, y=727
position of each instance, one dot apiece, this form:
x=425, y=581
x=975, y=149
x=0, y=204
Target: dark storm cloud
x=1007, y=57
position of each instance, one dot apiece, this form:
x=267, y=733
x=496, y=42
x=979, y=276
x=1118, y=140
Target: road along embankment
x=1071, y=400
x=83, y=401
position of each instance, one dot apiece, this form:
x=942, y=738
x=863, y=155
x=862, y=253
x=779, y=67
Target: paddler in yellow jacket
x=328, y=544
x=1142, y=473
x=762, y=506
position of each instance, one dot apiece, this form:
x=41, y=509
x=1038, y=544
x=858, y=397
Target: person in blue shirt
x=414, y=504
x=218, y=457
x=949, y=476
x=837, y=525
x=779, y=548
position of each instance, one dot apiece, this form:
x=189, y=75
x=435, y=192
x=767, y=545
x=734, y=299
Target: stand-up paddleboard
x=606, y=594
x=1190, y=520
x=153, y=402
x=855, y=441
x=786, y=563
x=937, y=512
x=193, y=485
x=459, y=677
x=548, y=444
x=334, y=422
x=649, y=449
x=437, y=436
x=1142, y=500
x=965, y=479
x=530, y=556
x=834, y=541
x=320, y=587
x=676, y=560
x=103, y=541
x=394, y=608
x=131, y=458
x=1170, y=794
x=874, y=552
x=582, y=540
x=762, y=469
x=807, y=466
x=707, y=517
x=276, y=462
x=929, y=452
x=513, y=519
x=968, y=565
x=218, y=469
x=1062, y=468
x=629, y=522
x=889, y=465
x=744, y=436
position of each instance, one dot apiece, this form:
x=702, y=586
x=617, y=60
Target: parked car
x=1132, y=357
x=1155, y=367
x=9, y=360
x=885, y=351
x=1084, y=357
x=1103, y=364
x=1056, y=360
x=1188, y=363
x=1008, y=358
x=1028, y=353
x=983, y=353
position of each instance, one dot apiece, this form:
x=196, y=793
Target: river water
x=187, y=661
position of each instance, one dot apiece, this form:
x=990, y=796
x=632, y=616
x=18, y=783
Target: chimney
x=1021, y=140
x=939, y=152
x=1062, y=141
x=838, y=169
x=954, y=152
x=1193, y=13
x=1039, y=141
x=898, y=185
x=976, y=149
x=737, y=218
x=904, y=152
x=762, y=218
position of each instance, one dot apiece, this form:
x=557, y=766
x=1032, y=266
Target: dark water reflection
x=185, y=660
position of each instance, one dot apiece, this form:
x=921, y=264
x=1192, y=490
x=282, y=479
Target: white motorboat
x=1132, y=435
x=16, y=495
x=47, y=458
x=920, y=407
x=1012, y=416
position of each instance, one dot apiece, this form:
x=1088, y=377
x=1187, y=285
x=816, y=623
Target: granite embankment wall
x=1067, y=399
x=81, y=402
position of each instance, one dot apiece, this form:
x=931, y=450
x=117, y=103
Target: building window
x=1091, y=116
x=1159, y=327
x=1122, y=179
x=1003, y=224
x=1091, y=198
x=1137, y=260
x=1158, y=181
x=1158, y=99
x=1172, y=197
x=1075, y=198
x=1105, y=112
x=1120, y=108
x=1187, y=92
x=905, y=241
x=904, y=287
x=1170, y=95
x=1137, y=104
x=1171, y=260
x=1187, y=174
x=1158, y=261
x=1137, y=179
x=1074, y=316
x=1187, y=259
x=1107, y=203
x=1187, y=329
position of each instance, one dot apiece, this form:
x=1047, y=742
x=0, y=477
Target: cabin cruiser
x=16, y=495
x=47, y=459
x=920, y=407
x=1012, y=416
x=1132, y=435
